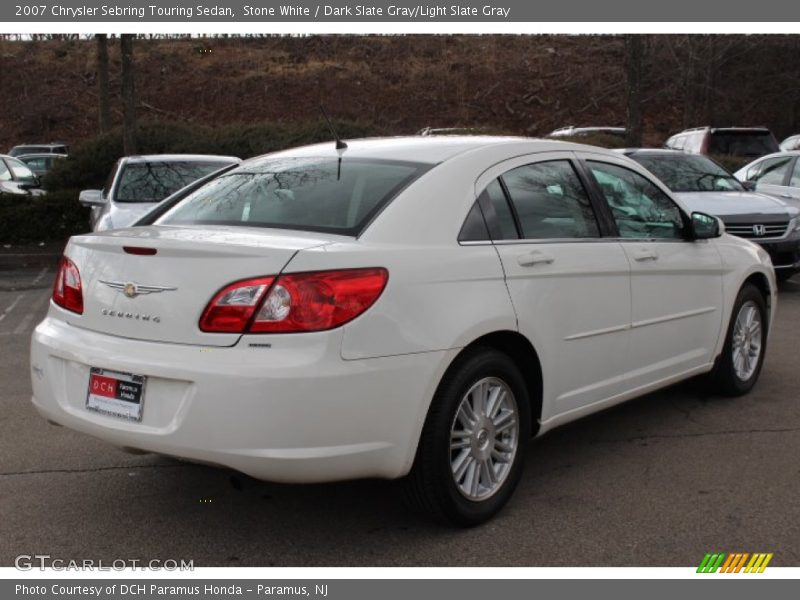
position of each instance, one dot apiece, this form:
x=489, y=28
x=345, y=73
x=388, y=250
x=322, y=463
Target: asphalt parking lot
x=659, y=481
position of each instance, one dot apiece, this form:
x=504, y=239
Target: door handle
x=642, y=254
x=534, y=257
x=786, y=196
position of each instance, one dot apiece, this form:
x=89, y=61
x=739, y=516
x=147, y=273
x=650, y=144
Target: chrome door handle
x=642, y=254
x=786, y=196
x=535, y=257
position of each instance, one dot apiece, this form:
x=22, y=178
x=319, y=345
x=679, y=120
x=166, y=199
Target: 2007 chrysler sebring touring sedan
x=406, y=307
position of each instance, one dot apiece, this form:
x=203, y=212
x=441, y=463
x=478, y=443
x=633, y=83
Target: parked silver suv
x=137, y=184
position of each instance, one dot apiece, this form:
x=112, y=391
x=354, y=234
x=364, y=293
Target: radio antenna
x=340, y=145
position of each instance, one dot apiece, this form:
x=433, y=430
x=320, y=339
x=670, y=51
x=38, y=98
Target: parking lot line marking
x=32, y=313
x=4, y=314
x=38, y=278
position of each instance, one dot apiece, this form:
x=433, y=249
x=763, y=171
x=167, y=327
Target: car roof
x=144, y=158
x=41, y=155
x=431, y=149
x=776, y=154
x=653, y=152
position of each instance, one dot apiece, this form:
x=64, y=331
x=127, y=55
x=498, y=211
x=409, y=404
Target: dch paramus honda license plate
x=117, y=394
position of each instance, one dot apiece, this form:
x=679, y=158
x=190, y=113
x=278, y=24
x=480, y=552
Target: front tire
x=471, y=451
x=742, y=357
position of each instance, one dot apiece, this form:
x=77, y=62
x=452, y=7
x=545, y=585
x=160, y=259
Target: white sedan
x=408, y=307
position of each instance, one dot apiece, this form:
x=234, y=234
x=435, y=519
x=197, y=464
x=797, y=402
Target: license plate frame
x=116, y=394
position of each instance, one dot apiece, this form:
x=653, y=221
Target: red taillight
x=67, y=290
x=232, y=308
x=293, y=303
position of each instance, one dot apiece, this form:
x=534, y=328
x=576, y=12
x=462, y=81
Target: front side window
x=795, y=180
x=311, y=194
x=550, y=201
x=773, y=170
x=640, y=209
x=154, y=181
x=5, y=174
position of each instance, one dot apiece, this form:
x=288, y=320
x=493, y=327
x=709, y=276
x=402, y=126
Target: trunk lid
x=167, y=292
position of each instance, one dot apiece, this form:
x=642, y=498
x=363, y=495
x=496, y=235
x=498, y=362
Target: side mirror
x=705, y=226
x=91, y=198
x=750, y=186
x=29, y=185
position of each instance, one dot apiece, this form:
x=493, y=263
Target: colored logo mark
x=738, y=562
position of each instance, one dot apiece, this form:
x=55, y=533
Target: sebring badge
x=131, y=290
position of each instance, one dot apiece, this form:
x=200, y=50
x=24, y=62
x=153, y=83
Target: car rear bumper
x=292, y=412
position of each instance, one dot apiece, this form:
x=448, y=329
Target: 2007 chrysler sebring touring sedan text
x=406, y=307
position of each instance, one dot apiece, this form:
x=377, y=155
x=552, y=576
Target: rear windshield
x=154, y=181
x=689, y=173
x=311, y=194
x=742, y=143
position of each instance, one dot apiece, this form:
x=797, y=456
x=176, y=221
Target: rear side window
x=694, y=142
x=773, y=170
x=742, y=143
x=311, y=194
x=550, y=201
x=154, y=181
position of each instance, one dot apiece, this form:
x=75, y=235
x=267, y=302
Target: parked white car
x=407, y=307
x=776, y=174
x=138, y=183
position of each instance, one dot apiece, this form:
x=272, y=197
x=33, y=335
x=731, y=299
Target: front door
x=676, y=284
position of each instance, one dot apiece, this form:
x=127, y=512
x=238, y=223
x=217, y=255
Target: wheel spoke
x=495, y=400
x=488, y=473
x=475, y=481
x=461, y=464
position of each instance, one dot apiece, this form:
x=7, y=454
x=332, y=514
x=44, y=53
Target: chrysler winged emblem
x=131, y=289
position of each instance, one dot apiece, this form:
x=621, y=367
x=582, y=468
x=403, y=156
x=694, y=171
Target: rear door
x=569, y=285
x=676, y=284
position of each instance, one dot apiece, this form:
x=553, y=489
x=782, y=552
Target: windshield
x=154, y=181
x=742, y=143
x=689, y=173
x=311, y=194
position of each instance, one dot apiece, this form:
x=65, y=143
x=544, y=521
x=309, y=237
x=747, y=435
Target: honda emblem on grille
x=759, y=230
x=131, y=289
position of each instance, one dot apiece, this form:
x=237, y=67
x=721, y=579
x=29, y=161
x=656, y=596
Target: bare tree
x=128, y=95
x=104, y=104
x=633, y=74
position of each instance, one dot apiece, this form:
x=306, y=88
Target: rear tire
x=471, y=451
x=739, y=365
